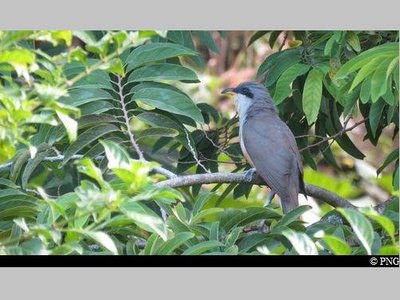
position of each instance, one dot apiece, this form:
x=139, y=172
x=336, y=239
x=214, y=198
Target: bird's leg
x=248, y=175
x=270, y=196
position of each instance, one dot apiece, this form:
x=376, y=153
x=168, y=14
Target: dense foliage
x=90, y=122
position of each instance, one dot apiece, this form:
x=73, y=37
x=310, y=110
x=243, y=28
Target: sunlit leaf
x=361, y=226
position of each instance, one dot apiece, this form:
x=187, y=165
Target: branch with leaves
x=311, y=190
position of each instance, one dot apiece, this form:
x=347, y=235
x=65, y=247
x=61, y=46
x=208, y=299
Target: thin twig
x=336, y=135
x=193, y=151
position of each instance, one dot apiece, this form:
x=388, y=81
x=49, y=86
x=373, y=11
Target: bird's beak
x=229, y=91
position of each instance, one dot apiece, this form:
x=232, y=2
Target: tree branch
x=311, y=190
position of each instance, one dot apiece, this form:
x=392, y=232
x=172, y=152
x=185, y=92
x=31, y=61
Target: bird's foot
x=248, y=175
x=270, y=196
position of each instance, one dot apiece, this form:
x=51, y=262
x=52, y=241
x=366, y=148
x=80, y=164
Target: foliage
x=86, y=117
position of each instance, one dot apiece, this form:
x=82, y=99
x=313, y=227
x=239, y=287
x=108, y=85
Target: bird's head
x=249, y=93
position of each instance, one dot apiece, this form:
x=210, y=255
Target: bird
x=268, y=144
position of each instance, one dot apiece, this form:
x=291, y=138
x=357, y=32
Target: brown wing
x=273, y=151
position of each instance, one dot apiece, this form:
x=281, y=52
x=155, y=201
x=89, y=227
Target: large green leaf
x=277, y=58
x=171, y=101
x=246, y=216
x=312, y=95
x=32, y=165
x=155, y=52
x=383, y=221
x=375, y=114
x=282, y=63
x=171, y=245
x=361, y=227
x=202, y=247
x=365, y=71
x=384, y=51
x=294, y=214
x=301, y=242
x=157, y=132
x=117, y=156
x=103, y=239
x=378, y=80
x=87, y=137
x=163, y=72
x=282, y=89
x=337, y=245
x=81, y=96
x=146, y=218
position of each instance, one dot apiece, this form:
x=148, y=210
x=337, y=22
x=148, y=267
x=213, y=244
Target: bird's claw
x=248, y=175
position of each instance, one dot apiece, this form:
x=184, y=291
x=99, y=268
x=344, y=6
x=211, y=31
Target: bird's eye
x=245, y=91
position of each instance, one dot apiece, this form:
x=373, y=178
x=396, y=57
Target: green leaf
x=163, y=72
x=103, y=239
x=8, y=183
x=116, y=67
x=71, y=126
x=378, y=80
x=214, y=231
x=86, y=166
x=242, y=217
x=282, y=63
x=282, y=89
x=157, y=132
x=17, y=57
x=389, y=250
x=155, y=52
x=171, y=101
x=32, y=165
x=365, y=91
x=353, y=40
x=382, y=220
x=396, y=178
x=251, y=241
x=207, y=39
x=312, y=95
x=207, y=212
x=391, y=157
x=146, y=218
x=365, y=71
x=277, y=58
x=202, y=247
x=116, y=155
x=201, y=201
x=301, y=242
x=87, y=137
x=361, y=226
x=257, y=35
x=384, y=51
x=232, y=237
x=294, y=214
x=337, y=245
x=171, y=245
x=375, y=114
x=273, y=37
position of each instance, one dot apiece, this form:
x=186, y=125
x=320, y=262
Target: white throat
x=242, y=103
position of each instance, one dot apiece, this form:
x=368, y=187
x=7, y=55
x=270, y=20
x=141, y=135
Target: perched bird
x=268, y=144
